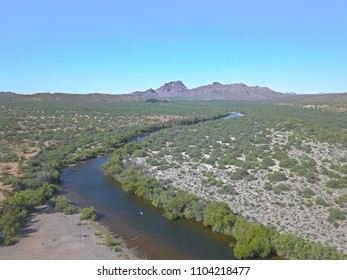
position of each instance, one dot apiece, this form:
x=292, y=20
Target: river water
x=139, y=223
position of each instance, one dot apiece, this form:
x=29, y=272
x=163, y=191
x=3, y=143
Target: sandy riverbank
x=55, y=236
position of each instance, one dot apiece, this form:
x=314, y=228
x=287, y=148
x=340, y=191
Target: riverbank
x=54, y=236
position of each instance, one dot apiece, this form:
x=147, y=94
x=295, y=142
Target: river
x=137, y=222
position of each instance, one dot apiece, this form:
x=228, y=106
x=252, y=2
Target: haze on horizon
x=123, y=46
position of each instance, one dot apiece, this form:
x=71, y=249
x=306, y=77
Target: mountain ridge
x=215, y=91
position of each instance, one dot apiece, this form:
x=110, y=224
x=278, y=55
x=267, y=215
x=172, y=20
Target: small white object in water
x=141, y=213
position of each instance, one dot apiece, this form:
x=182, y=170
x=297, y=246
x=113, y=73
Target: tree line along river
x=140, y=224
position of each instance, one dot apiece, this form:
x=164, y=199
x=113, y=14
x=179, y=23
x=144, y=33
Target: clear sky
x=119, y=46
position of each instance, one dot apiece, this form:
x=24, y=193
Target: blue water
x=234, y=115
x=153, y=235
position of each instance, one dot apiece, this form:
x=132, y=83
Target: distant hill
x=86, y=98
x=216, y=91
x=7, y=94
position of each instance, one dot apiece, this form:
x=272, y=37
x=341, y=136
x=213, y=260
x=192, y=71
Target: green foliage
x=342, y=200
x=336, y=214
x=218, y=216
x=322, y=202
x=171, y=216
x=281, y=188
x=239, y=174
x=337, y=184
x=288, y=163
x=26, y=199
x=294, y=247
x=267, y=186
x=277, y=176
x=268, y=161
x=61, y=204
x=11, y=219
x=253, y=240
x=306, y=192
x=111, y=242
x=88, y=213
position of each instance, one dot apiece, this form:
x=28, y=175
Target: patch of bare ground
x=288, y=211
x=8, y=169
x=55, y=236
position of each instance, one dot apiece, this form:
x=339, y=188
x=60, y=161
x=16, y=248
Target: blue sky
x=114, y=46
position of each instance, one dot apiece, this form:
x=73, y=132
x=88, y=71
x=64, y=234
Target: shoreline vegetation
x=43, y=138
x=252, y=239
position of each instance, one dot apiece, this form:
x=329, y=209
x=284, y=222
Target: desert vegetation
x=283, y=168
x=277, y=174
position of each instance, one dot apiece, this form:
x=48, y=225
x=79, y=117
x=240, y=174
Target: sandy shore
x=55, y=236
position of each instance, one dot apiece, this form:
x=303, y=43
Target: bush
x=69, y=210
x=336, y=184
x=219, y=217
x=277, y=176
x=88, y=214
x=342, y=200
x=336, y=214
x=306, y=192
x=267, y=186
x=253, y=240
x=288, y=163
x=322, y=202
x=281, y=188
x=26, y=199
x=171, y=216
x=111, y=241
x=61, y=204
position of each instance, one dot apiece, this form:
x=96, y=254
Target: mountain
x=7, y=94
x=216, y=91
x=172, y=88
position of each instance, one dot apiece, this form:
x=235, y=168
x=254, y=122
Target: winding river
x=139, y=223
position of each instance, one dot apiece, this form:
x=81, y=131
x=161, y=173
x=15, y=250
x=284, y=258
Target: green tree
x=252, y=240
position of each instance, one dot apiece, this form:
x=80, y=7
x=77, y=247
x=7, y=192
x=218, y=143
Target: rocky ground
x=55, y=236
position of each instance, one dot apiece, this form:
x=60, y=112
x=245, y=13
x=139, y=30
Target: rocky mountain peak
x=172, y=87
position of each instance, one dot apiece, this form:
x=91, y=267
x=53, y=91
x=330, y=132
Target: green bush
x=337, y=184
x=306, y=192
x=336, y=214
x=26, y=199
x=61, y=204
x=88, y=213
x=281, y=188
x=171, y=216
x=253, y=240
x=322, y=202
x=218, y=216
x=277, y=176
x=267, y=186
x=288, y=163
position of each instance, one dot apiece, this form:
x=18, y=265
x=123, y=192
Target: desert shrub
x=281, y=188
x=306, y=192
x=342, y=200
x=277, y=176
x=322, y=202
x=268, y=186
x=26, y=199
x=88, y=213
x=288, y=163
x=336, y=184
x=336, y=214
x=61, y=204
